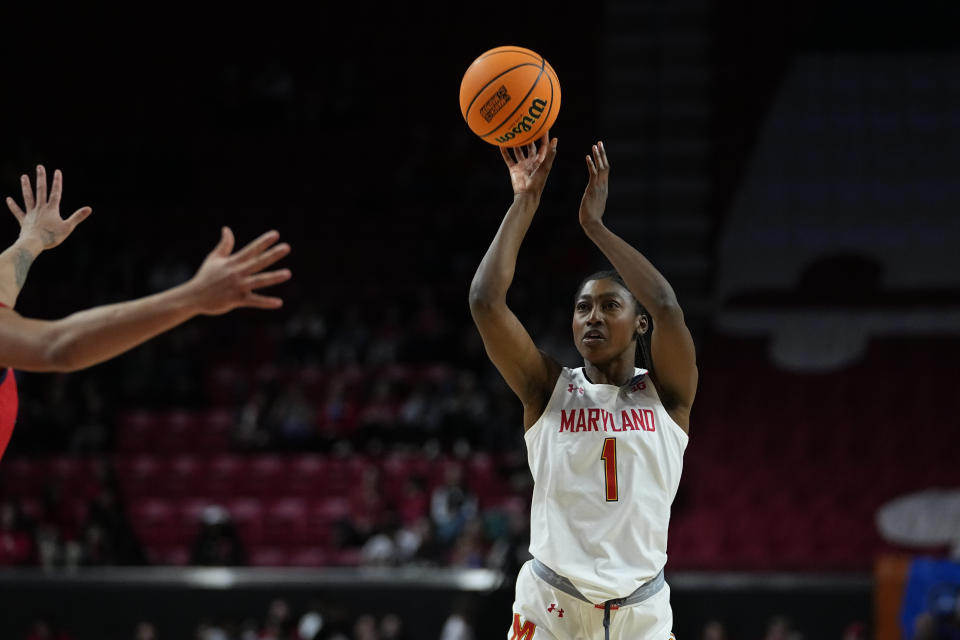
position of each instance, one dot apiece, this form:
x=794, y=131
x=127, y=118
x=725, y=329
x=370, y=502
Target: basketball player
x=224, y=281
x=605, y=441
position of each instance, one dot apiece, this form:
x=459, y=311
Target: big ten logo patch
x=524, y=631
x=494, y=104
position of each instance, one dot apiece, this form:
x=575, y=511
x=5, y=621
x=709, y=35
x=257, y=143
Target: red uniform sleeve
x=8, y=406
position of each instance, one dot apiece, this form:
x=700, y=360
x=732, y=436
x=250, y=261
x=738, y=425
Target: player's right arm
x=224, y=281
x=530, y=373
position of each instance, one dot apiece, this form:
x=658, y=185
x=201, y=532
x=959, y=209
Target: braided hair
x=643, y=358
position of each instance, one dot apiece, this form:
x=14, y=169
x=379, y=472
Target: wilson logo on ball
x=527, y=122
x=510, y=96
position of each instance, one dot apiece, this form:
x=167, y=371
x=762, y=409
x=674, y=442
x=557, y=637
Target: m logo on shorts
x=522, y=633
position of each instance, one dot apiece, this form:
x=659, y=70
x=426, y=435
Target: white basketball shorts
x=542, y=612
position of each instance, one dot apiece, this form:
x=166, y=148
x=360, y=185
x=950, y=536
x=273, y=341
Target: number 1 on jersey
x=609, y=457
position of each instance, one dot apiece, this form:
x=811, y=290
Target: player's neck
x=616, y=372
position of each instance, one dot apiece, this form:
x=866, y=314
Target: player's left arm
x=673, y=352
x=225, y=281
x=41, y=228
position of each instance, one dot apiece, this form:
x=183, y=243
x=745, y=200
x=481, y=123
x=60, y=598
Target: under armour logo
x=573, y=389
x=553, y=607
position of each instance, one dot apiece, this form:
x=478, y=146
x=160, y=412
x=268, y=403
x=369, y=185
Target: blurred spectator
x=210, y=631
x=452, y=505
x=379, y=551
x=365, y=628
x=337, y=415
x=391, y=628
x=855, y=631
x=145, y=631
x=469, y=549
x=16, y=544
x=367, y=499
x=778, y=628
x=279, y=621
x=52, y=550
x=218, y=543
x=311, y=623
x=942, y=620
x=372, y=520
x=510, y=527
x=420, y=414
x=250, y=431
x=44, y=630
x=250, y=629
x=108, y=537
x=416, y=544
x=377, y=421
x=95, y=548
x=414, y=501
x=337, y=621
x=58, y=512
x=291, y=418
x=457, y=626
x=713, y=630
x=466, y=411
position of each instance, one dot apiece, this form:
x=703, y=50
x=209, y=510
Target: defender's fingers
x=258, y=246
x=41, y=185
x=225, y=246
x=56, y=188
x=267, y=258
x=14, y=209
x=268, y=279
x=262, y=302
x=28, y=201
x=78, y=216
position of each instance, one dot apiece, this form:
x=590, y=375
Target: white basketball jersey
x=606, y=463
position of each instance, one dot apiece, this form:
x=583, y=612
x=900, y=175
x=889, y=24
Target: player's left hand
x=41, y=223
x=594, y=201
x=228, y=280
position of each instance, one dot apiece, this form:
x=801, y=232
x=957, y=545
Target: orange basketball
x=510, y=96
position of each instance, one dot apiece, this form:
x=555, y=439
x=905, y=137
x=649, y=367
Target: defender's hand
x=41, y=225
x=227, y=280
